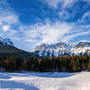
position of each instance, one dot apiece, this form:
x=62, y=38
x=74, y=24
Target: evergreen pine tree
x=53, y=64
x=27, y=63
x=88, y=66
x=72, y=65
x=11, y=64
x=35, y=64
x=31, y=63
x=77, y=64
x=42, y=65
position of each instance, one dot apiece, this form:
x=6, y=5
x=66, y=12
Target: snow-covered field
x=45, y=81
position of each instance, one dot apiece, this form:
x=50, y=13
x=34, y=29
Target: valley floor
x=45, y=81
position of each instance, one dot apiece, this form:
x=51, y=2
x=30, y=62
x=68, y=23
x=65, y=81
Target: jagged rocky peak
x=49, y=50
x=62, y=44
x=82, y=43
x=47, y=47
x=43, y=44
x=60, y=49
x=6, y=41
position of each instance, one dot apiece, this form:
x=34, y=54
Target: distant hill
x=7, y=48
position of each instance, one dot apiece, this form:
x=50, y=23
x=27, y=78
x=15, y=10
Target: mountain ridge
x=7, y=48
x=47, y=50
x=61, y=49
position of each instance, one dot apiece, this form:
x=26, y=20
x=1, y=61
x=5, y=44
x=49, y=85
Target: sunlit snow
x=45, y=81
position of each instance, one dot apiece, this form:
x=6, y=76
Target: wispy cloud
x=52, y=32
x=85, y=18
x=48, y=33
x=67, y=9
x=62, y=6
x=7, y=20
x=64, y=15
x=55, y=3
x=87, y=14
x=74, y=35
x=6, y=28
x=65, y=3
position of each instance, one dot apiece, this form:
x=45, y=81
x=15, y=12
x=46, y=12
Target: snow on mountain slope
x=6, y=41
x=60, y=49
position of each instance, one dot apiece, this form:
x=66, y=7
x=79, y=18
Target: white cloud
x=64, y=3
x=85, y=18
x=11, y=32
x=52, y=32
x=1, y=34
x=69, y=3
x=48, y=33
x=31, y=40
x=54, y=3
x=62, y=7
x=0, y=22
x=8, y=20
x=64, y=15
x=7, y=17
x=6, y=28
x=87, y=14
x=71, y=37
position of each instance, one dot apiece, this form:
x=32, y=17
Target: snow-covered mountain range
x=61, y=49
x=6, y=41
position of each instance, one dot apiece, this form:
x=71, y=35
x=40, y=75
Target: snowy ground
x=45, y=81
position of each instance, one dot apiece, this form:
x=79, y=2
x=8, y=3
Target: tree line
x=61, y=64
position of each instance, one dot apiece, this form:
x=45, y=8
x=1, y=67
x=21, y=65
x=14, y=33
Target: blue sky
x=31, y=22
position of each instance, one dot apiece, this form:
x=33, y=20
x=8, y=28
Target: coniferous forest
x=59, y=64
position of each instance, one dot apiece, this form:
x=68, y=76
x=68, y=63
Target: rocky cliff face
x=61, y=49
